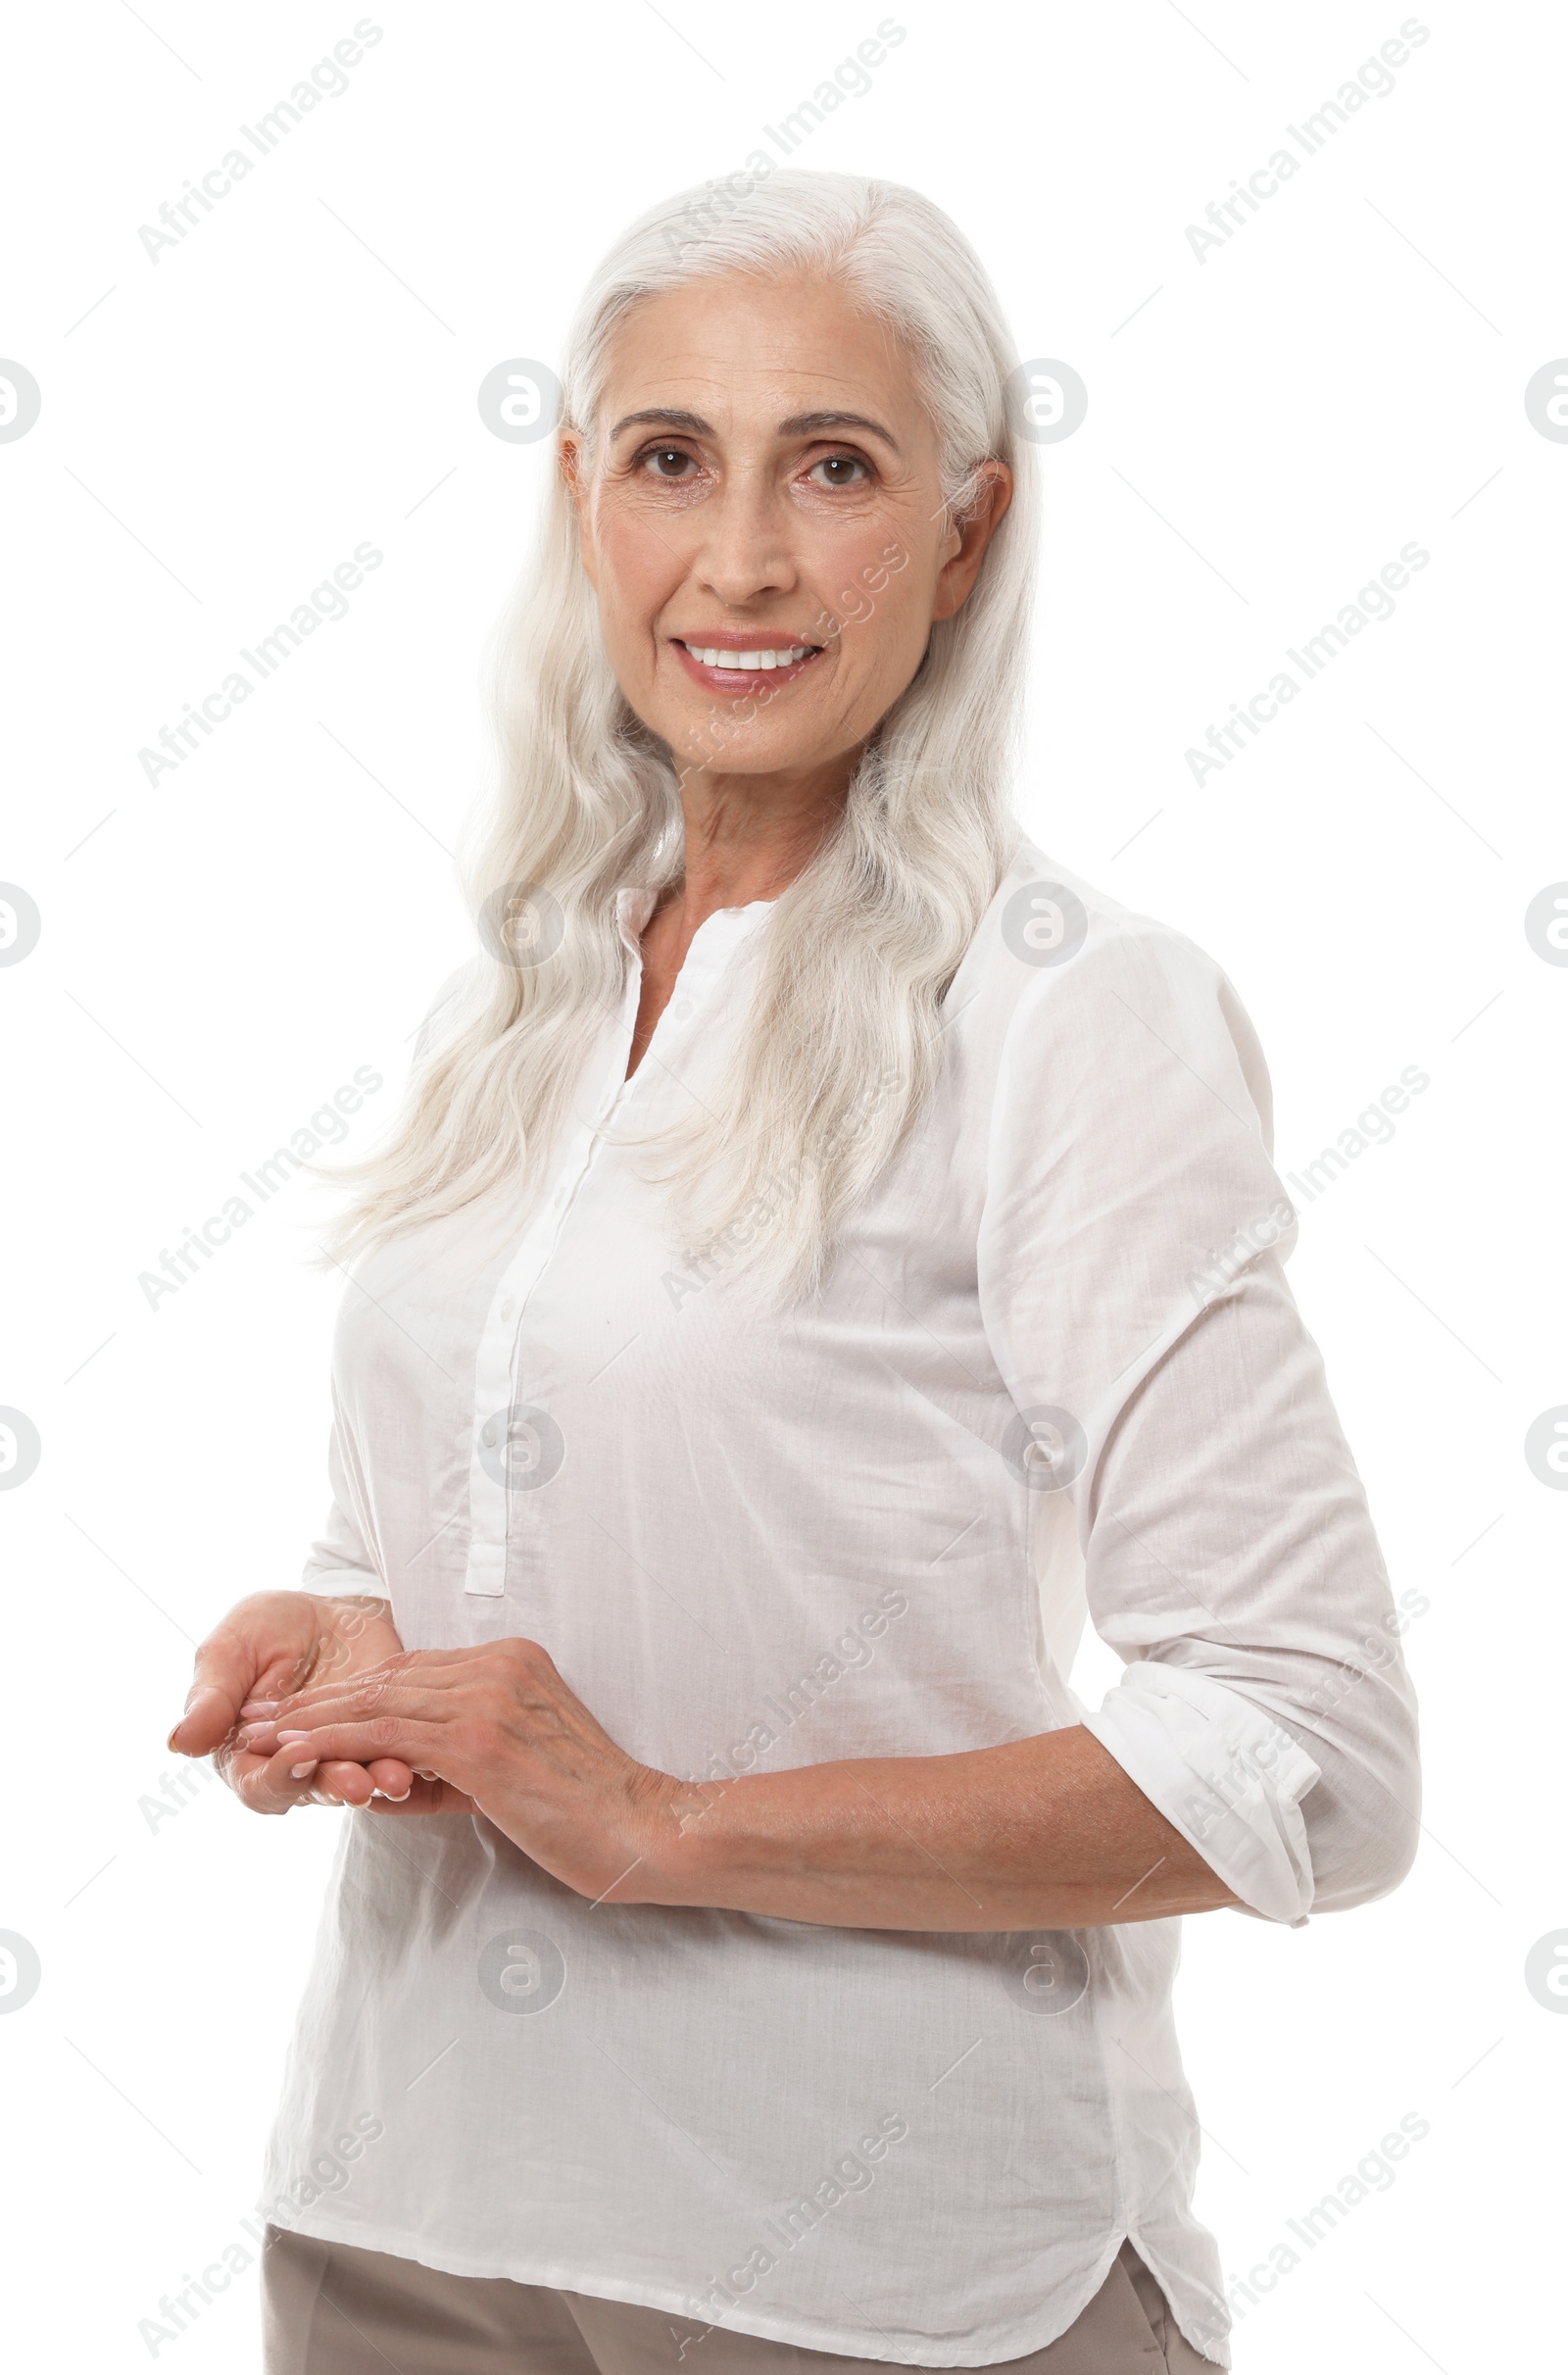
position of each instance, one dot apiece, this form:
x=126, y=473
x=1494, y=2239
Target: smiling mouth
x=733, y=659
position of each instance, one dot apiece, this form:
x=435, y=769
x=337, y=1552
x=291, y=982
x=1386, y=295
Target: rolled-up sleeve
x=1134, y=1294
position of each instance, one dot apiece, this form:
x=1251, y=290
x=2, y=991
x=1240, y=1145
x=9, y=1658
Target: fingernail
x=284, y=1739
x=303, y=1772
x=259, y=1707
x=172, y=1743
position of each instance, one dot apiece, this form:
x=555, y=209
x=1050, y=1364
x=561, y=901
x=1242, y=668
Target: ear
x=957, y=574
x=571, y=461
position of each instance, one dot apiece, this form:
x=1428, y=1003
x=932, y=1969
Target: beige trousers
x=332, y=2310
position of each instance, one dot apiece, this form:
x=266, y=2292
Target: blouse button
x=487, y=1434
x=508, y=1307
x=683, y=1007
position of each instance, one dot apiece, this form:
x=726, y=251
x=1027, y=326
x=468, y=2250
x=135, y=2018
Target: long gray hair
x=843, y=1043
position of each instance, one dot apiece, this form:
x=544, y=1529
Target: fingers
x=355, y=1740
x=354, y=1699
x=268, y=1635
x=337, y=1782
x=284, y=1778
x=411, y=1745
x=269, y=1786
x=413, y=1684
x=350, y=1779
x=210, y=1714
x=407, y=1674
x=426, y=1798
x=358, y=1785
x=466, y=1655
x=419, y=1671
x=244, y=1669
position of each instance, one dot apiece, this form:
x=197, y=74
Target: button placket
x=714, y=943
x=496, y=1386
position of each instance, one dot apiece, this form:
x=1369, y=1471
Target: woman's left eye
x=839, y=470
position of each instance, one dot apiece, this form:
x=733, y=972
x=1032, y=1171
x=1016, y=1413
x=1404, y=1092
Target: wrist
x=673, y=1839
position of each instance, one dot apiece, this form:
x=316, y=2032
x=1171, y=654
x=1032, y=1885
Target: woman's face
x=764, y=523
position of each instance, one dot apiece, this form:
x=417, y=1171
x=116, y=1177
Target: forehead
x=747, y=352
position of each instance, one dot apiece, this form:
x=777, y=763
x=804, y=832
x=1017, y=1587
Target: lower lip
x=742, y=679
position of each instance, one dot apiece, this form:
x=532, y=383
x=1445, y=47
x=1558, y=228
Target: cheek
x=637, y=573
x=885, y=617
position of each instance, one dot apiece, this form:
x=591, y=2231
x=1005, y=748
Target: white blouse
x=1057, y=1370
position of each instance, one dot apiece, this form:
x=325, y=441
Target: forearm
x=1048, y=1833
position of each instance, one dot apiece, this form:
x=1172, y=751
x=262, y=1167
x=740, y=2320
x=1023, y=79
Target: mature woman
x=827, y=1252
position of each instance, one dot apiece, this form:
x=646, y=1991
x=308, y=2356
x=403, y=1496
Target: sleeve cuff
x=1223, y=1774
x=334, y=1581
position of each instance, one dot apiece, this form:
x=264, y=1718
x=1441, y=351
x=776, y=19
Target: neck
x=748, y=836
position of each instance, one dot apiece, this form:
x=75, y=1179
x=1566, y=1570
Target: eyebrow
x=798, y=424
x=801, y=423
x=662, y=418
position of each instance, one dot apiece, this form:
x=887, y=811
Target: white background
x=219, y=950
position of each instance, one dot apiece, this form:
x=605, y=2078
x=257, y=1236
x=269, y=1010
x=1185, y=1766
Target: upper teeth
x=716, y=658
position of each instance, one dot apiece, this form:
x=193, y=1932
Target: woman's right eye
x=656, y=458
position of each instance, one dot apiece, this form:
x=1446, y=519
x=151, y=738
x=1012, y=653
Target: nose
x=744, y=552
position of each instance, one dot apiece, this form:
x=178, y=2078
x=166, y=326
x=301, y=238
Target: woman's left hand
x=492, y=1730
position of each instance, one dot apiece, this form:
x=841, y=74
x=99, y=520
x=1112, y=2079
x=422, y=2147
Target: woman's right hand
x=271, y=1644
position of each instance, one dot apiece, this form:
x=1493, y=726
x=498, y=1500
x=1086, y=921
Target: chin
x=779, y=760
